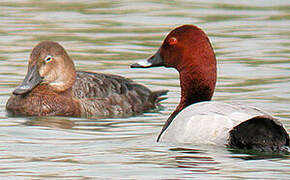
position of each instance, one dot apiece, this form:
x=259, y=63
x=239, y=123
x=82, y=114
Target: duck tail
x=156, y=96
x=261, y=133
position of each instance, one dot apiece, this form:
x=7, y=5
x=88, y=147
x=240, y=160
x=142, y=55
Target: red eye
x=172, y=41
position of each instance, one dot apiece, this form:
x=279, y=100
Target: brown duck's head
x=48, y=64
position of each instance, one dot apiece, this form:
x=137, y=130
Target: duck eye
x=172, y=41
x=48, y=59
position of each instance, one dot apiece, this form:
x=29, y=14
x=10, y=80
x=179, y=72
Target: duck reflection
x=253, y=155
x=54, y=122
x=195, y=161
x=210, y=160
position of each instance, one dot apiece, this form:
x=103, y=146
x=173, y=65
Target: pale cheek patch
x=48, y=74
x=41, y=71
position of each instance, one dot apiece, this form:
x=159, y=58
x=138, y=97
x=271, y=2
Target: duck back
x=112, y=95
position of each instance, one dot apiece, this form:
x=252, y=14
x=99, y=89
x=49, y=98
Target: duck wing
x=113, y=95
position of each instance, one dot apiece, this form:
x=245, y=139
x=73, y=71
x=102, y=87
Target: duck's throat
x=196, y=87
x=63, y=82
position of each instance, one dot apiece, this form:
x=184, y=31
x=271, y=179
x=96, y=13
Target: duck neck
x=66, y=76
x=197, y=85
x=64, y=83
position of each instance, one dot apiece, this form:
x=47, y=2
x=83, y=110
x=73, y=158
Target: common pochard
x=199, y=120
x=52, y=87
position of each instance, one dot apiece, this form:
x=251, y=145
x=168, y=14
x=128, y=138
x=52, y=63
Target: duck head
x=187, y=49
x=48, y=64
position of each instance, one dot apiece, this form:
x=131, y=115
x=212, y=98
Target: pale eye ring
x=48, y=58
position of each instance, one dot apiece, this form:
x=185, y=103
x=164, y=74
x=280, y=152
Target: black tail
x=261, y=133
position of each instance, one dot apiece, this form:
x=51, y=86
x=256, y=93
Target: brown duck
x=52, y=87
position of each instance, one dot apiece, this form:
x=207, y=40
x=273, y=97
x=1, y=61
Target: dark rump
x=261, y=133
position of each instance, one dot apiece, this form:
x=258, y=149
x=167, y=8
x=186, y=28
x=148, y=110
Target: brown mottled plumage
x=53, y=87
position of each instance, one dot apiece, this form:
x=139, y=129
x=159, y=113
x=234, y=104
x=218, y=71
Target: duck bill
x=31, y=80
x=154, y=61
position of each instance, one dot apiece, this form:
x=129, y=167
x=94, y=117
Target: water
x=250, y=38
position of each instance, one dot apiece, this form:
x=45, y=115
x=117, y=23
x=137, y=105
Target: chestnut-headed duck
x=52, y=87
x=199, y=120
